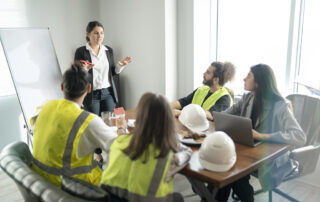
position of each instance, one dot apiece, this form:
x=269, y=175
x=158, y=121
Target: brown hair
x=91, y=25
x=75, y=81
x=267, y=91
x=155, y=124
x=224, y=71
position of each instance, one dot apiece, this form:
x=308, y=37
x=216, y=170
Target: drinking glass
x=107, y=117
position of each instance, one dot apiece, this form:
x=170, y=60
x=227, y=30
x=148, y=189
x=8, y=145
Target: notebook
x=237, y=127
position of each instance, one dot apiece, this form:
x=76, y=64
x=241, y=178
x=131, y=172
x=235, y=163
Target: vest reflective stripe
x=66, y=141
x=65, y=171
x=118, y=181
x=201, y=94
x=66, y=168
x=71, y=137
x=157, y=175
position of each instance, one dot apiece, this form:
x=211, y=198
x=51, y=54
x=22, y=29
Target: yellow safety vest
x=136, y=180
x=58, y=129
x=201, y=94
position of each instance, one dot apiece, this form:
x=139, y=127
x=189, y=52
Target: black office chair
x=306, y=110
x=16, y=162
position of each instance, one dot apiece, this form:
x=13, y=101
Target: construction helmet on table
x=217, y=152
x=194, y=118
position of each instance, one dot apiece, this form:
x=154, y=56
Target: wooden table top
x=248, y=160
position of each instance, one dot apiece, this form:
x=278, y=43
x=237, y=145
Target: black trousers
x=242, y=188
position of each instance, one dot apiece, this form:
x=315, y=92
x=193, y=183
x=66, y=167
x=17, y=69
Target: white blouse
x=101, y=67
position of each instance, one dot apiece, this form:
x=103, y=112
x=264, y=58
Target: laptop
x=237, y=127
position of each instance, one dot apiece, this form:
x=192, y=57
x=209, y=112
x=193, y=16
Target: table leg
x=201, y=189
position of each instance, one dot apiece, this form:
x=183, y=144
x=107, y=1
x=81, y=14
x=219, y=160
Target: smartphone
x=89, y=63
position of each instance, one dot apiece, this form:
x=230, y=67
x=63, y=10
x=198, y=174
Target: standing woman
x=104, y=96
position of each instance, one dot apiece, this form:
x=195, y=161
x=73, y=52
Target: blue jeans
x=102, y=100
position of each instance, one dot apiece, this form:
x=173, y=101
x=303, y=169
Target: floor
x=303, y=192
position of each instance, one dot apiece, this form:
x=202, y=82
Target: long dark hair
x=224, y=71
x=91, y=25
x=75, y=81
x=155, y=124
x=266, y=91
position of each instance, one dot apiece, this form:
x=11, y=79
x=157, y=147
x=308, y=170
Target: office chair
x=16, y=162
x=231, y=93
x=306, y=110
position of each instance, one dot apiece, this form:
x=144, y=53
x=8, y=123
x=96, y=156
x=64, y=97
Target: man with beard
x=212, y=96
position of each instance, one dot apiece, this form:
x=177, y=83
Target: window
x=252, y=32
x=309, y=71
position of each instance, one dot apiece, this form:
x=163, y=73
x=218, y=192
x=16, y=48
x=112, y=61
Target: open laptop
x=237, y=127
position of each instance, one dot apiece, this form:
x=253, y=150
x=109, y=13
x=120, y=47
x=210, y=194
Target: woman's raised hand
x=125, y=61
x=86, y=65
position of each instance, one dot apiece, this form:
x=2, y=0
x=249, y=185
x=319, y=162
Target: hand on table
x=121, y=124
x=259, y=136
x=98, y=157
x=125, y=61
x=176, y=112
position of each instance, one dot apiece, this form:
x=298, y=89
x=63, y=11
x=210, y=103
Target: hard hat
x=217, y=152
x=194, y=118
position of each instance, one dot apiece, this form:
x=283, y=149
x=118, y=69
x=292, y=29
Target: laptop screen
x=237, y=127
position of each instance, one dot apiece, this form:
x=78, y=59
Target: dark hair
x=75, y=81
x=266, y=91
x=155, y=124
x=224, y=71
x=91, y=25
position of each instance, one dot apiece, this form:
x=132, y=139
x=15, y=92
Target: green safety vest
x=201, y=94
x=57, y=132
x=136, y=180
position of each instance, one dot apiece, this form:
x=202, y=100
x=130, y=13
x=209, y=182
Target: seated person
x=212, y=96
x=142, y=164
x=65, y=136
x=272, y=121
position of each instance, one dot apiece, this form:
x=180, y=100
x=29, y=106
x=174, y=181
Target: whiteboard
x=33, y=66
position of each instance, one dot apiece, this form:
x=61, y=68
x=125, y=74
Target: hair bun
x=74, y=68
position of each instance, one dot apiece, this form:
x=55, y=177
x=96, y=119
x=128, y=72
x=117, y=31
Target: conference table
x=249, y=159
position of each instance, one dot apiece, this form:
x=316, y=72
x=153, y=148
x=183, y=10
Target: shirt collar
x=102, y=47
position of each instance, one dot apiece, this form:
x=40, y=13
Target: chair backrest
x=231, y=93
x=306, y=110
x=16, y=162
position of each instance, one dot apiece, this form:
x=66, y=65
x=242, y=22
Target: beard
x=207, y=82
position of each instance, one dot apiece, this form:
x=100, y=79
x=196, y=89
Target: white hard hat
x=217, y=152
x=194, y=117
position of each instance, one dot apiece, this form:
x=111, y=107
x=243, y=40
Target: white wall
x=157, y=34
x=137, y=28
x=185, y=30
x=171, y=49
x=66, y=20
x=11, y=121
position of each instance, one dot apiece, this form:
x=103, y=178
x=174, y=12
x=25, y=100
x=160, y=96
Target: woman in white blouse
x=103, y=70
